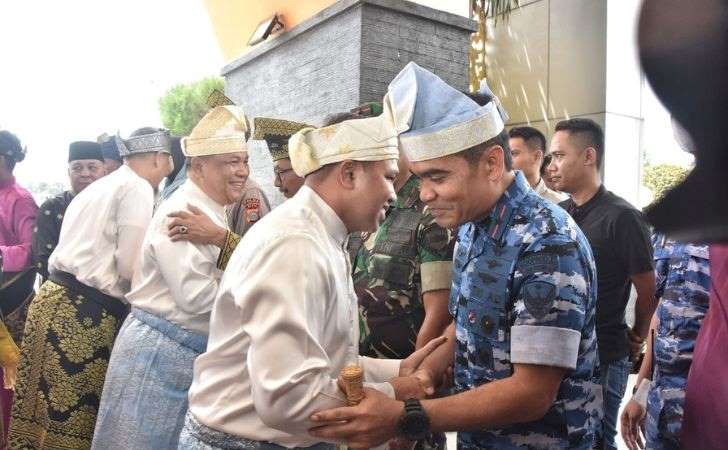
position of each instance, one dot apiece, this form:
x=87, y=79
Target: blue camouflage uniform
x=683, y=284
x=524, y=291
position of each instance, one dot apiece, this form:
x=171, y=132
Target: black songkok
x=84, y=150
x=110, y=150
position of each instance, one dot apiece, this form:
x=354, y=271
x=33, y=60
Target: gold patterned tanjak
x=217, y=98
x=223, y=130
x=353, y=380
x=276, y=133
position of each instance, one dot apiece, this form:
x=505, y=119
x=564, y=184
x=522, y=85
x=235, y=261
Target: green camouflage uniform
x=408, y=255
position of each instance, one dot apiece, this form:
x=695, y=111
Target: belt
x=116, y=307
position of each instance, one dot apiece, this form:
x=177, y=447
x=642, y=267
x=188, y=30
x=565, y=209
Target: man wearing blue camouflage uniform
x=682, y=271
x=523, y=295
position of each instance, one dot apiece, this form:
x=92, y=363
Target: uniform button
x=487, y=324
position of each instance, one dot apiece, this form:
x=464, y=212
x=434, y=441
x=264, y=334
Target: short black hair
x=533, y=138
x=333, y=119
x=143, y=131
x=545, y=163
x=371, y=109
x=477, y=97
x=473, y=154
x=588, y=130
x=11, y=149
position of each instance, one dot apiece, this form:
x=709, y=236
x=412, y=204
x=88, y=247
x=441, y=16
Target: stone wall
x=342, y=57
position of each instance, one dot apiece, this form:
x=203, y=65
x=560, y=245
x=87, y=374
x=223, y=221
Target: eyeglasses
x=279, y=173
x=78, y=168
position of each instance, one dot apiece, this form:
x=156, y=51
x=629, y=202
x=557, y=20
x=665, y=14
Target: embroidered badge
x=539, y=296
x=538, y=263
x=252, y=210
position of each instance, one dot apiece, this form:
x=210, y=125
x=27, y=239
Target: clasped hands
x=415, y=380
x=374, y=420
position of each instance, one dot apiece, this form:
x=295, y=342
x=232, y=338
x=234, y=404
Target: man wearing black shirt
x=620, y=241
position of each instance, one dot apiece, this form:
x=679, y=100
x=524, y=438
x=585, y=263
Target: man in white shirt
x=145, y=394
x=528, y=146
x=284, y=323
x=73, y=320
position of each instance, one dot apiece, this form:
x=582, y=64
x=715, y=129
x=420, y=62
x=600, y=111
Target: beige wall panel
x=547, y=126
x=517, y=61
x=577, y=57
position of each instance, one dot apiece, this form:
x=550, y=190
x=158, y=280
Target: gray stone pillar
x=342, y=57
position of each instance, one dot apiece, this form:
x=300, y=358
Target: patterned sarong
x=145, y=393
x=69, y=335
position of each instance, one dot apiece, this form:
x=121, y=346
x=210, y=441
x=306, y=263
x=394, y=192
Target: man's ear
x=195, y=164
x=347, y=173
x=590, y=156
x=492, y=161
x=539, y=157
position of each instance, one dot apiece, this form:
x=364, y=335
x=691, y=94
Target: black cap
x=84, y=150
x=110, y=150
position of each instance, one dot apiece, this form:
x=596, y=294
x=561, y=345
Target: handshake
x=415, y=380
x=372, y=418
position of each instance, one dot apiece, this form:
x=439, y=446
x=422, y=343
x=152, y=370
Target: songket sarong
x=196, y=436
x=145, y=394
x=69, y=335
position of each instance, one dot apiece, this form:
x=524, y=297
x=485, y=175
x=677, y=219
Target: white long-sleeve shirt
x=178, y=281
x=103, y=230
x=283, y=326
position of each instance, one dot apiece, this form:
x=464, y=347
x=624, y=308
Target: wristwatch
x=414, y=424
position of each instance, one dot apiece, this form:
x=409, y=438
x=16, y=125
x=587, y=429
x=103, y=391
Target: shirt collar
x=10, y=182
x=496, y=222
x=332, y=222
x=540, y=186
x=573, y=209
x=194, y=191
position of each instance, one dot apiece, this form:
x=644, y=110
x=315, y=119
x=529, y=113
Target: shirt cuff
x=436, y=275
x=546, y=346
x=231, y=242
x=385, y=388
x=379, y=370
x=641, y=395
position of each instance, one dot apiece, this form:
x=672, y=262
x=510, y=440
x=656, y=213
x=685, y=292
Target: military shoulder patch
x=538, y=263
x=539, y=297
